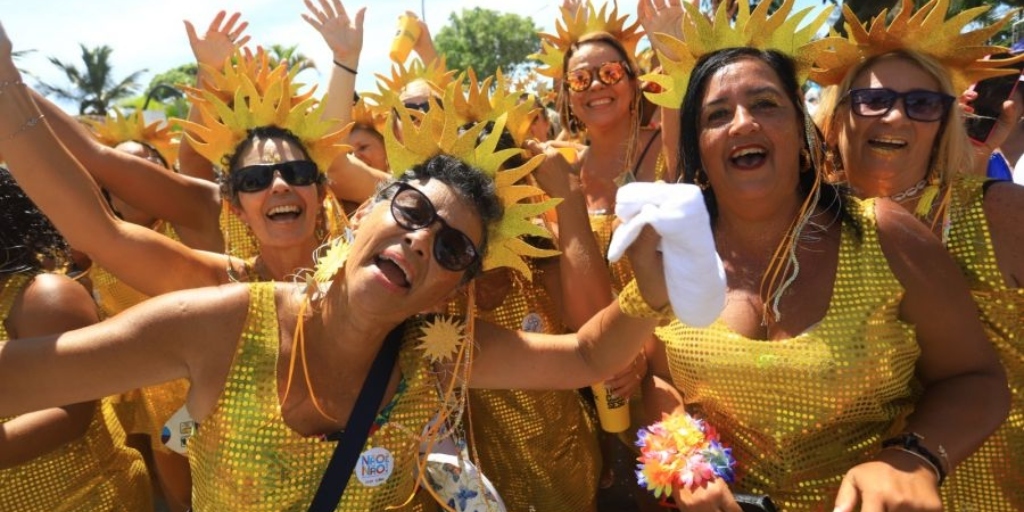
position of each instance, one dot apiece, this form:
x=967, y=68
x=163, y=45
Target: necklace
x=910, y=192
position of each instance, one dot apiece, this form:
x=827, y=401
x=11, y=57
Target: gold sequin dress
x=94, y=473
x=799, y=412
x=538, y=448
x=244, y=457
x=141, y=411
x=993, y=478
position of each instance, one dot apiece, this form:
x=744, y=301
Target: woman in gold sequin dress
x=888, y=151
x=71, y=458
x=829, y=342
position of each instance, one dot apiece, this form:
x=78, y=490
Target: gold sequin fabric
x=239, y=242
x=603, y=225
x=96, y=472
x=799, y=412
x=992, y=479
x=538, y=448
x=245, y=458
x=141, y=411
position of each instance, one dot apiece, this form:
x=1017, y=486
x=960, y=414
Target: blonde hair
x=952, y=154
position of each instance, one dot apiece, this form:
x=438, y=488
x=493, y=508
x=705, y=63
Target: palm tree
x=93, y=87
x=289, y=55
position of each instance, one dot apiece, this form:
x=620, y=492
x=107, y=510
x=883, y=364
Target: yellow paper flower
x=441, y=338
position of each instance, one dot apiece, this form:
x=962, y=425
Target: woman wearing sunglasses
x=891, y=120
x=273, y=377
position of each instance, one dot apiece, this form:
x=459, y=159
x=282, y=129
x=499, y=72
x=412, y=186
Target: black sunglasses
x=422, y=107
x=924, y=106
x=609, y=73
x=253, y=178
x=413, y=210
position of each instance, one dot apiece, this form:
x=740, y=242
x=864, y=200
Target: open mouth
x=887, y=143
x=392, y=271
x=748, y=158
x=600, y=102
x=284, y=213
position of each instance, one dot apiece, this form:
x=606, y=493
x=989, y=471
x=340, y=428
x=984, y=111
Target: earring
x=805, y=160
x=701, y=180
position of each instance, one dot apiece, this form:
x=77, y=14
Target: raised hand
x=342, y=34
x=661, y=17
x=219, y=41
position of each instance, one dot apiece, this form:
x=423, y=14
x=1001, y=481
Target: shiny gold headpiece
x=477, y=104
x=369, y=115
x=574, y=25
x=117, y=128
x=926, y=31
x=756, y=29
x=439, y=131
x=263, y=99
x=436, y=74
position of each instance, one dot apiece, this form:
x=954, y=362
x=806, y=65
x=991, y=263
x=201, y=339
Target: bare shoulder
x=903, y=237
x=51, y=303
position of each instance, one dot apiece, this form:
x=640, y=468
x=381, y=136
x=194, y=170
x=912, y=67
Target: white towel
x=693, y=271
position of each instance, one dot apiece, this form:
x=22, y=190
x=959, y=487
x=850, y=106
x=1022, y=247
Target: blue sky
x=149, y=34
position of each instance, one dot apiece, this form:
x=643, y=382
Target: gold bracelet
x=32, y=121
x=632, y=303
x=5, y=83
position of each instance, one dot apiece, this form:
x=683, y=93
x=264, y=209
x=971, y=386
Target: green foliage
x=93, y=88
x=176, y=77
x=487, y=40
x=290, y=55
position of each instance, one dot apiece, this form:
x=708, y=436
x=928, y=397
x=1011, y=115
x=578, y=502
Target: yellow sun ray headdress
x=574, y=25
x=117, y=128
x=756, y=29
x=487, y=100
x=438, y=131
x=369, y=115
x=926, y=31
x=259, y=97
x=436, y=74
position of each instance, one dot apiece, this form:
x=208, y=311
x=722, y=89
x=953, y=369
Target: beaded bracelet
x=632, y=303
x=346, y=68
x=681, y=451
x=31, y=122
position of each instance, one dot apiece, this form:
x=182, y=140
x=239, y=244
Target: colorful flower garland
x=681, y=451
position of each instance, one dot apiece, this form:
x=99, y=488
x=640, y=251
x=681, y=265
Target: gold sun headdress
x=436, y=74
x=369, y=115
x=926, y=31
x=757, y=29
x=574, y=25
x=487, y=100
x=439, y=131
x=116, y=128
x=259, y=97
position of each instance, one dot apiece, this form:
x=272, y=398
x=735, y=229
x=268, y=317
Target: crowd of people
x=416, y=298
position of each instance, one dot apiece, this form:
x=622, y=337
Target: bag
x=461, y=485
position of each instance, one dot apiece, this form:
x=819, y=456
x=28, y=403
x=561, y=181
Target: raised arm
x=190, y=334
x=344, y=36
x=144, y=259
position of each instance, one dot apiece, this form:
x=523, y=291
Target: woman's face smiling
x=888, y=154
x=750, y=139
x=369, y=148
x=600, y=105
x=390, y=261
x=281, y=215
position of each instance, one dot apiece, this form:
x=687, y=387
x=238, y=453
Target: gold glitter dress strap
x=12, y=287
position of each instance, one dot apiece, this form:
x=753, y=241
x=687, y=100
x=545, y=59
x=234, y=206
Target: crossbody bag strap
x=357, y=428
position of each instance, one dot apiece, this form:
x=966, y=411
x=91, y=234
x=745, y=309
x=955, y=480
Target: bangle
x=32, y=121
x=346, y=68
x=910, y=442
x=681, y=451
x=632, y=303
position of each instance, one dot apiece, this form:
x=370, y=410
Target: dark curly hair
x=471, y=185
x=27, y=237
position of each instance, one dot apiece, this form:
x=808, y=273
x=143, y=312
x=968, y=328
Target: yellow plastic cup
x=612, y=411
x=405, y=37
